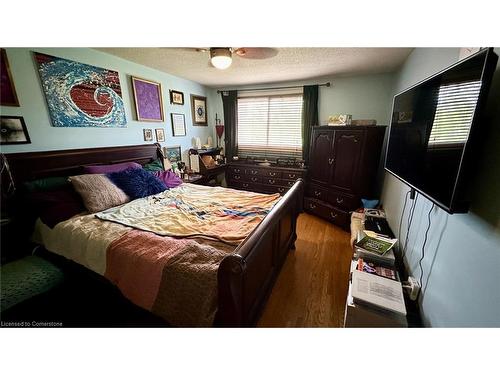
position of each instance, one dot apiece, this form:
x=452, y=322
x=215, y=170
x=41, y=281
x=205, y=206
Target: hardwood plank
x=312, y=287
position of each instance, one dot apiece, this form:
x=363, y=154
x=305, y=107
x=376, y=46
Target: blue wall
x=462, y=256
x=46, y=137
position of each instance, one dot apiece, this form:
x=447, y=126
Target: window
x=454, y=112
x=270, y=126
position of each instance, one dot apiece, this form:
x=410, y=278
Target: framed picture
x=178, y=124
x=339, y=120
x=173, y=153
x=8, y=95
x=160, y=135
x=176, y=97
x=148, y=135
x=199, y=110
x=13, y=130
x=80, y=94
x=148, y=100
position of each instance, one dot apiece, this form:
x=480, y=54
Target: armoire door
x=347, y=147
x=321, y=154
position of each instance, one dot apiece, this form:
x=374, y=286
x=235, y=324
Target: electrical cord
x=410, y=220
x=425, y=242
x=401, y=218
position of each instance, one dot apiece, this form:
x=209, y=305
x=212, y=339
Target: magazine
x=376, y=245
x=372, y=268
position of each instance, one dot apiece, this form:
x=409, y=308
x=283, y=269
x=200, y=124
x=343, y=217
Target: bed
x=247, y=270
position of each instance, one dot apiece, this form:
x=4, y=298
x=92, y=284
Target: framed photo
x=199, y=110
x=148, y=100
x=178, y=124
x=160, y=135
x=13, y=130
x=173, y=153
x=148, y=135
x=176, y=97
x=8, y=95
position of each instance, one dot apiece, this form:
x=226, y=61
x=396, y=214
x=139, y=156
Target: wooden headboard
x=29, y=166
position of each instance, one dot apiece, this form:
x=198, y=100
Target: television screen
x=430, y=137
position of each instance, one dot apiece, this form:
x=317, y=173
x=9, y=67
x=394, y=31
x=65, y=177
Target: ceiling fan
x=222, y=57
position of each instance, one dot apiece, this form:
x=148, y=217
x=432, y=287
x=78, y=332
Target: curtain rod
x=327, y=84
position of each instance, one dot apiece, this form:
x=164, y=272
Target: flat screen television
x=436, y=129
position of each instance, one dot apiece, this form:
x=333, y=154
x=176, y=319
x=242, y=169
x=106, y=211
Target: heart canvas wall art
x=79, y=94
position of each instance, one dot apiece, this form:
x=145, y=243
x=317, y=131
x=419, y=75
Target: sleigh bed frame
x=245, y=277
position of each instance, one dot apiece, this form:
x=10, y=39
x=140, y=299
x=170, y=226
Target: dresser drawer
x=253, y=171
x=236, y=177
x=317, y=192
x=344, y=201
x=236, y=170
x=327, y=212
x=272, y=181
x=271, y=173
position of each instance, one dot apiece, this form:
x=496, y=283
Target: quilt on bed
x=191, y=210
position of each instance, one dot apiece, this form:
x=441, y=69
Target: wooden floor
x=312, y=287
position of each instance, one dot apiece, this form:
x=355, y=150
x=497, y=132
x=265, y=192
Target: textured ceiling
x=290, y=64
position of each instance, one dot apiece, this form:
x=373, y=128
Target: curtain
x=309, y=117
x=230, y=105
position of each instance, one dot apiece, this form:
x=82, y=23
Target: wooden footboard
x=246, y=277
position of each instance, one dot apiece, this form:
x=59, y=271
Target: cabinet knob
x=291, y=175
x=237, y=170
x=245, y=185
x=254, y=172
x=272, y=174
x=317, y=193
x=330, y=161
x=333, y=215
x=237, y=177
x=281, y=190
x=312, y=206
x=339, y=200
x=272, y=181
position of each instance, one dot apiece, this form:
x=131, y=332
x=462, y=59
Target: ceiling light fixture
x=221, y=58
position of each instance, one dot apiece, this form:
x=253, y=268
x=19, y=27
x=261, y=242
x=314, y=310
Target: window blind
x=269, y=126
x=455, y=109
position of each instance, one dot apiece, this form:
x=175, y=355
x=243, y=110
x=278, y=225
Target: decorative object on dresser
x=343, y=165
x=8, y=95
x=262, y=179
x=148, y=100
x=339, y=120
x=199, y=110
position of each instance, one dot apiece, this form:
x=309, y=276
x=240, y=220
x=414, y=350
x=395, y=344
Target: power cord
x=425, y=242
x=401, y=218
x=410, y=220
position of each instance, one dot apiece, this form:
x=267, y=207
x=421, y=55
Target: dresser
x=343, y=166
x=262, y=179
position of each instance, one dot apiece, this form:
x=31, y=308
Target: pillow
x=55, y=206
x=109, y=168
x=46, y=184
x=169, y=178
x=137, y=183
x=154, y=166
x=98, y=192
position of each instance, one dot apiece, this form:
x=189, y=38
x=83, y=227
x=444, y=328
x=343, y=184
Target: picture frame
x=13, y=131
x=8, y=94
x=173, y=153
x=148, y=135
x=148, y=99
x=176, y=97
x=160, y=135
x=178, y=124
x=199, y=110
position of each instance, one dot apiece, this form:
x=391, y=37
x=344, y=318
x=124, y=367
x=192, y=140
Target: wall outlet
x=413, y=287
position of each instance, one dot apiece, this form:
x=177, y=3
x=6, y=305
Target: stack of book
x=375, y=249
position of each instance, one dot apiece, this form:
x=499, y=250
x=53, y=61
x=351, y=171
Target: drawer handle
x=237, y=177
x=340, y=200
x=312, y=206
x=291, y=175
x=317, y=193
x=245, y=185
x=333, y=215
x=237, y=170
x=281, y=190
x=272, y=174
x=290, y=183
x=272, y=181
x=254, y=172
x=330, y=161
x=254, y=179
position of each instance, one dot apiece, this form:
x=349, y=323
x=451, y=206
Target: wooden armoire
x=343, y=166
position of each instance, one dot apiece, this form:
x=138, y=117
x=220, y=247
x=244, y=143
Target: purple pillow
x=137, y=183
x=109, y=168
x=169, y=178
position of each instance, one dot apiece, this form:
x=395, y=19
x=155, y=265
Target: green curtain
x=309, y=117
x=230, y=105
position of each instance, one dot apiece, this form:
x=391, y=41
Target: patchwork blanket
x=191, y=210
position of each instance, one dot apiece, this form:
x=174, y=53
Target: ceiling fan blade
x=258, y=53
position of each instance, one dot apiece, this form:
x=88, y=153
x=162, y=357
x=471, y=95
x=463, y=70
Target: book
x=387, y=259
x=378, y=292
x=370, y=267
x=377, y=245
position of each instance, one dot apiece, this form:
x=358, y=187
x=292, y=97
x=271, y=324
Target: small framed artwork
x=148, y=135
x=148, y=100
x=176, y=97
x=160, y=135
x=13, y=130
x=173, y=153
x=178, y=124
x=8, y=94
x=199, y=110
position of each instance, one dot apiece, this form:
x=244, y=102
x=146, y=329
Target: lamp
x=221, y=57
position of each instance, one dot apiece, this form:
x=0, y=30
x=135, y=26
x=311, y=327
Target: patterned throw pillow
x=137, y=183
x=98, y=192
